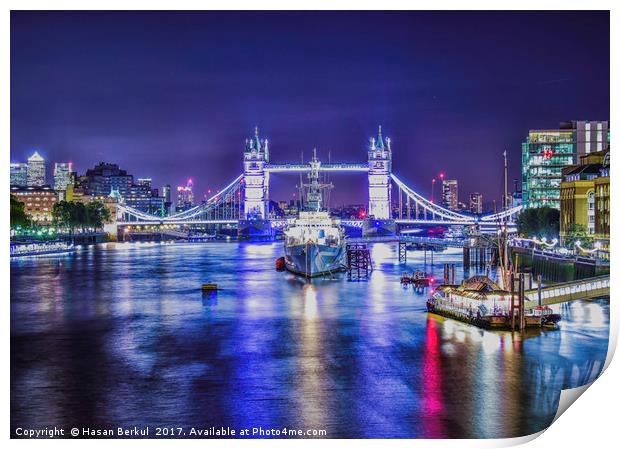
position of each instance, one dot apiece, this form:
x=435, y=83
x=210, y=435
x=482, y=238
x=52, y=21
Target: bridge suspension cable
x=502, y=215
x=225, y=204
x=426, y=205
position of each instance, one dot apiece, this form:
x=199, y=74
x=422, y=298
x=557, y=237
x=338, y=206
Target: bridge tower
x=379, y=220
x=379, y=183
x=255, y=156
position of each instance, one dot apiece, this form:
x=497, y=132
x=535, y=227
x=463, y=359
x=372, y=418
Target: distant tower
x=379, y=183
x=255, y=156
x=62, y=175
x=36, y=170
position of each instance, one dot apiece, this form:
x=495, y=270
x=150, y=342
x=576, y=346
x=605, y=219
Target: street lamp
x=433, y=190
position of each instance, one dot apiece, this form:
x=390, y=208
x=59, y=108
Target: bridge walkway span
x=590, y=288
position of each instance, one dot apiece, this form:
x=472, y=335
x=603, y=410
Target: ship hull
x=312, y=260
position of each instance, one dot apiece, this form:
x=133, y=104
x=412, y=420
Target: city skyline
x=195, y=86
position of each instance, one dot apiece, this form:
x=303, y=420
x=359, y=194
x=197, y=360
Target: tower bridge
x=244, y=202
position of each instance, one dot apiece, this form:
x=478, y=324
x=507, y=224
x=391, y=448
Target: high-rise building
x=63, y=176
x=36, y=170
x=475, y=203
x=546, y=152
x=167, y=195
x=185, y=196
x=138, y=196
x=450, y=194
x=103, y=178
x=19, y=174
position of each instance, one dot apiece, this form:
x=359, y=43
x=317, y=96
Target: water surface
x=121, y=335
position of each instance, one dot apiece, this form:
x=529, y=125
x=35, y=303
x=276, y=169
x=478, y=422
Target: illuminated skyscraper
x=19, y=174
x=547, y=151
x=105, y=178
x=185, y=196
x=167, y=195
x=36, y=170
x=450, y=194
x=62, y=176
x=475, y=203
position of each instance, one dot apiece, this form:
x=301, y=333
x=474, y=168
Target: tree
x=577, y=233
x=96, y=214
x=78, y=215
x=539, y=222
x=18, y=214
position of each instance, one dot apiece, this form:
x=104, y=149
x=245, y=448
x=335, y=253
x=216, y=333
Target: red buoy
x=280, y=266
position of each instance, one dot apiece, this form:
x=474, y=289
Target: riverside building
x=584, y=197
x=546, y=152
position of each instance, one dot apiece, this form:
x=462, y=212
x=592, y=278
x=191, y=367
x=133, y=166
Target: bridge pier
x=255, y=229
x=375, y=228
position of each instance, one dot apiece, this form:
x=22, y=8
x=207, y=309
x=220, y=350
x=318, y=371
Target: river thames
x=121, y=335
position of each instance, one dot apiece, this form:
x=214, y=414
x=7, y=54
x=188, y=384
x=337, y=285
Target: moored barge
x=481, y=302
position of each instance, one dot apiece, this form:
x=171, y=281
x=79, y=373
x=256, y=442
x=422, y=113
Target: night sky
x=173, y=95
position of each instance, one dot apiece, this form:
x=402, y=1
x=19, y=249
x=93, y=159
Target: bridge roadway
x=304, y=168
x=590, y=288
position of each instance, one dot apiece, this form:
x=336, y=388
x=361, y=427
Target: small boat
x=422, y=279
x=418, y=279
x=280, y=264
x=209, y=287
x=50, y=248
x=547, y=317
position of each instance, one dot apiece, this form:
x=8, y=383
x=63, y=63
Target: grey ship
x=315, y=242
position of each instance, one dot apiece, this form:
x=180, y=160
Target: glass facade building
x=19, y=174
x=36, y=170
x=546, y=152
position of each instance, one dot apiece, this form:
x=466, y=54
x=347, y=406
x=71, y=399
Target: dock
x=359, y=263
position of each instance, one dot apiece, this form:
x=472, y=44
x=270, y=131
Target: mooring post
x=521, y=303
x=512, y=301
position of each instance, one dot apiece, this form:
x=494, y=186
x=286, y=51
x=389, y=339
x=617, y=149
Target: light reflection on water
x=121, y=335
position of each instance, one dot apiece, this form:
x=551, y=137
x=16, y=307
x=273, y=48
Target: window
x=591, y=212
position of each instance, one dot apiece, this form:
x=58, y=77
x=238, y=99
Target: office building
x=546, y=152
x=142, y=198
x=167, y=196
x=475, y=203
x=104, y=177
x=19, y=174
x=63, y=177
x=36, y=170
x=185, y=196
x=450, y=194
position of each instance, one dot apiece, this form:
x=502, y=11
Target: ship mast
x=314, y=188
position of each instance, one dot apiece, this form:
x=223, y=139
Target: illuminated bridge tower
x=255, y=156
x=379, y=187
